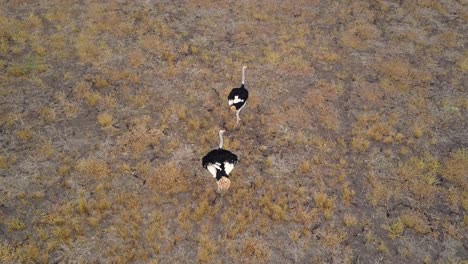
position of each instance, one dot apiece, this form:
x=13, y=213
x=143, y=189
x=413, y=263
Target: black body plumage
x=219, y=157
x=242, y=96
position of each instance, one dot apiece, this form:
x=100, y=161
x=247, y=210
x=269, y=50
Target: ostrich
x=220, y=162
x=238, y=97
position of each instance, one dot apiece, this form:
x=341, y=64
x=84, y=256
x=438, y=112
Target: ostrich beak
x=223, y=185
x=233, y=108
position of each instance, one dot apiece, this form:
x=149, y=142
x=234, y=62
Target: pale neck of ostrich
x=221, y=138
x=243, y=74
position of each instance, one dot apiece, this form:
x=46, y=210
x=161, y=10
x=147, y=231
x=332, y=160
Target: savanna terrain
x=353, y=145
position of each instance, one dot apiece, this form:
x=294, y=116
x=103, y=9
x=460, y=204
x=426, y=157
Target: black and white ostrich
x=238, y=97
x=220, y=162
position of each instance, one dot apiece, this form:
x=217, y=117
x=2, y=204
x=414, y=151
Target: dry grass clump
x=70, y=109
x=101, y=82
x=332, y=237
x=183, y=219
x=325, y=54
x=325, y=203
x=11, y=119
x=456, y=168
x=136, y=58
x=456, y=198
x=206, y=249
x=93, y=167
x=16, y=224
x=274, y=207
x=305, y=216
x=418, y=131
x=463, y=63
x=377, y=190
x=139, y=137
x=56, y=15
x=17, y=70
x=395, y=229
x=29, y=68
x=419, y=105
x=294, y=235
x=416, y=222
x=3, y=162
x=379, y=128
x=375, y=127
x=104, y=119
x=190, y=49
x=276, y=212
x=7, y=160
x=200, y=210
x=398, y=76
x=125, y=76
x=24, y=134
x=431, y=4
x=47, y=114
x=101, y=203
x=449, y=39
x=7, y=252
x=30, y=253
x=90, y=50
x=347, y=193
x=253, y=249
x=154, y=44
x=138, y=100
x=383, y=248
x=169, y=178
x=384, y=132
x=360, y=143
x=396, y=69
x=424, y=168
x=297, y=64
x=271, y=56
x=32, y=22
x=83, y=205
x=9, y=27
x=419, y=176
x=359, y=35
x=82, y=91
x=93, y=98
x=322, y=101
x=143, y=168
x=46, y=150
x=304, y=167
x=371, y=92
x=109, y=101
x=155, y=230
x=349, y=220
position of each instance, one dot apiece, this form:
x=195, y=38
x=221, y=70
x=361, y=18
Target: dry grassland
x=353, y=147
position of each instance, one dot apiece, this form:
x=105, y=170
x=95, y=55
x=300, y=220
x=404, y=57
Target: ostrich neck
x=243, y=75
x=220, y=140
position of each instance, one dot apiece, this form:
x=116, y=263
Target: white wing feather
x=212, y=169
x=228, y=167
x=237, y=99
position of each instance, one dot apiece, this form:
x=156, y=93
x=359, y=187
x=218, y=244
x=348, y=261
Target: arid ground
x=353, y=146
